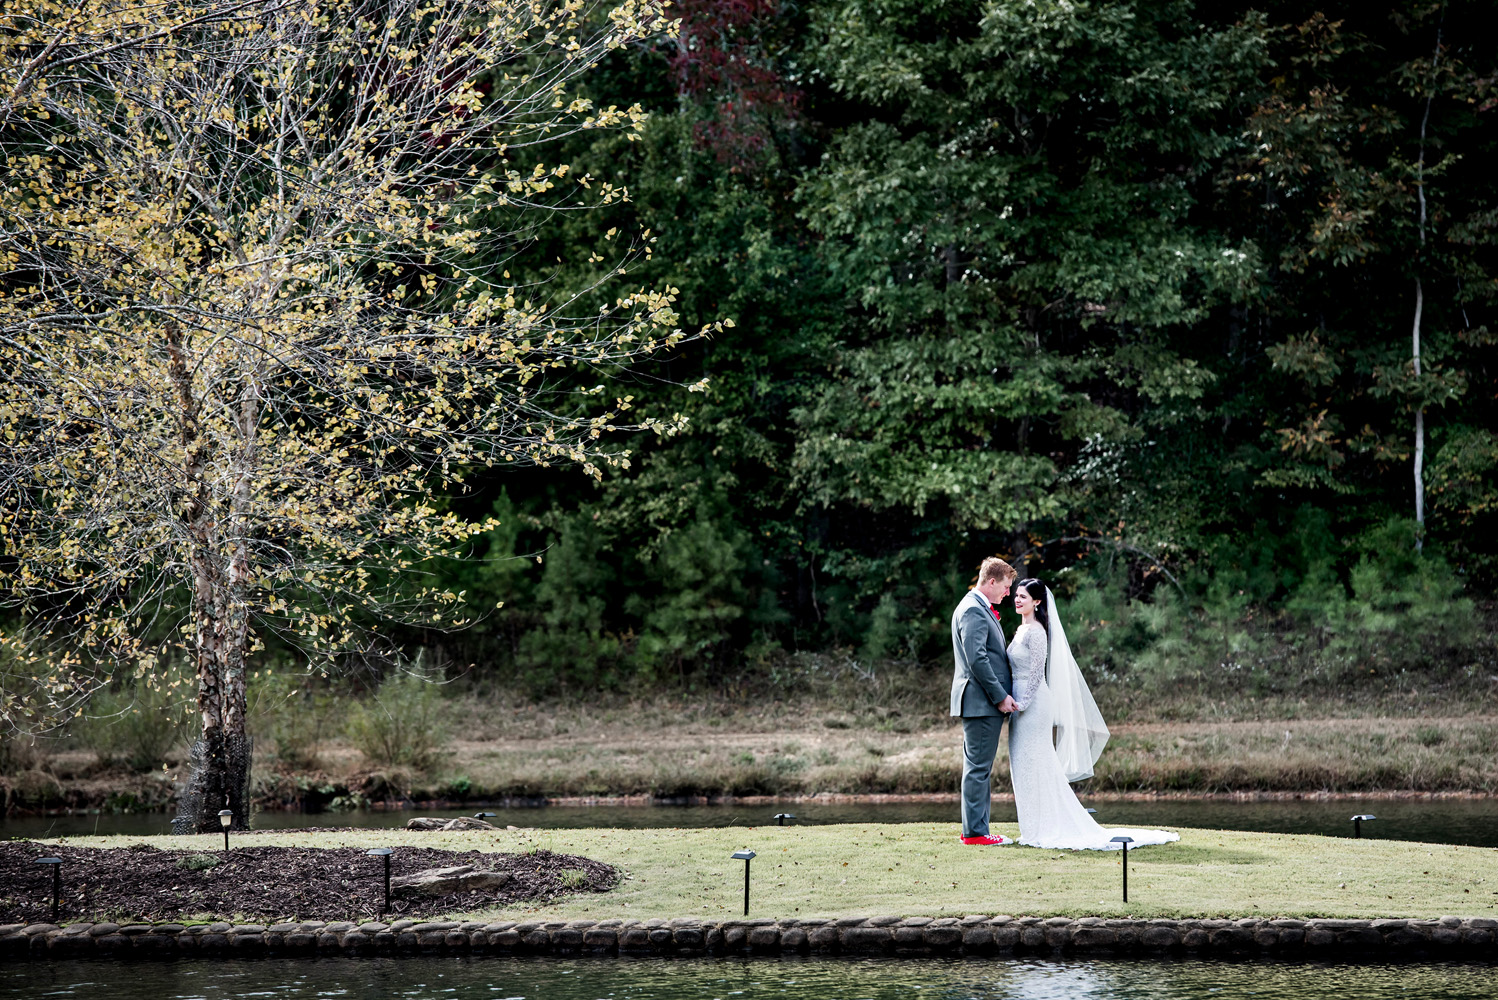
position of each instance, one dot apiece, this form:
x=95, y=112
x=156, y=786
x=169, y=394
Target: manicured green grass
x=921, y=869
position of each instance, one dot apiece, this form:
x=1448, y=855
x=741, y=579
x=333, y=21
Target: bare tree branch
x=1118, y=546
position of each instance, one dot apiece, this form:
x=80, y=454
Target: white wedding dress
x=1049, y=813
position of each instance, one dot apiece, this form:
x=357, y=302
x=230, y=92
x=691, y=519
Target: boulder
x=460, y=823
x=446, y=881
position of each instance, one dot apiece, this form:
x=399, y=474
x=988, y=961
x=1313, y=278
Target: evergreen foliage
x=1122, y=291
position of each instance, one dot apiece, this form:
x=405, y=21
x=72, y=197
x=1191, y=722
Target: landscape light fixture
x=1125, y=841
x=1357, y=824
x=780, y=818
x=746, y=857
x=383, y=852
x=56, y=864
x=225, y=819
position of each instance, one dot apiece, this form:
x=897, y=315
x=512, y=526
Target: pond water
x=721, y=979
x=1470, y=822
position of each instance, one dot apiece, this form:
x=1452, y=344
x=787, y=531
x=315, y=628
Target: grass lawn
x=920, y=869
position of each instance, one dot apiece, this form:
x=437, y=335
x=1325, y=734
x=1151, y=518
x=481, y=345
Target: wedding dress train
x=1049, y=813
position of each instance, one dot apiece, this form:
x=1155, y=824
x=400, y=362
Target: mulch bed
x=260, y=884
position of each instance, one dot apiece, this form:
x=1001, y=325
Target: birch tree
x=255, y=313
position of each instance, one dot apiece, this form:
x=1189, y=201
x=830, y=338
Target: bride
x=1049, y=813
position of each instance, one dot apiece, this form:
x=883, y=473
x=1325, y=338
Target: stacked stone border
x=1444, y=938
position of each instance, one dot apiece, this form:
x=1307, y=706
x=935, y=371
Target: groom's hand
x=1008, y=704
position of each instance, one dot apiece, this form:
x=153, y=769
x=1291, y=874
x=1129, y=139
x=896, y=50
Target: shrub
x=1398, y=612
x=291, y=713
x=698, y=570
x=137, y=723
x=460, y=787
x=403, y=723
x=18, y=754
x=568, y=646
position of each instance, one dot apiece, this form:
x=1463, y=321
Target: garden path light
x=746, y=857
x=385, y=852
x=56, y=864
x=1125, y=841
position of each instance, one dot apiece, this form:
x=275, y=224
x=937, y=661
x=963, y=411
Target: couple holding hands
x=1033, y=681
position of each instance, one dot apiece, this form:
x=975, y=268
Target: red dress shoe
x=985, y=841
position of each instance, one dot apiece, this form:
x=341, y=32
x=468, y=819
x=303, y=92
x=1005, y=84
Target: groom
x=980, y=692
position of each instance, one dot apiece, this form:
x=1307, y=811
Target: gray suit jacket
x=982, y=677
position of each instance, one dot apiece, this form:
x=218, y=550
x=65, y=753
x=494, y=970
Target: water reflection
x=1469, y=822
x=722, y=979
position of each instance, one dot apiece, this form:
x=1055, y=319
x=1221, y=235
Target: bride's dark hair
x=1037, y=592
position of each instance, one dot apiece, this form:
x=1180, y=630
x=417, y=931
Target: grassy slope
x=830, y=728
x=638, y=750
x=1344, y=755
x=916, y=869
x=824, y=725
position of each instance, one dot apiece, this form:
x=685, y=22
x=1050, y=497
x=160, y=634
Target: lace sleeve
x=1030, y=645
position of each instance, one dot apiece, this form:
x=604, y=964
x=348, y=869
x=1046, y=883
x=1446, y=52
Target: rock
x=764, y=938
x=461, y=823
x=445, y=881
x=868, y=940
x=689, y=937
x=944, y=936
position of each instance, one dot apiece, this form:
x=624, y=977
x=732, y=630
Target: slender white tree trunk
x=1420, y=296
x=1419, y=425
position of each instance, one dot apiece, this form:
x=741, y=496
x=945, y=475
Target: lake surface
x=1469, y=822
x=722, y=979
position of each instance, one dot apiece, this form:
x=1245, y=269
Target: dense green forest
x=1168, y=303
x=1187, y=309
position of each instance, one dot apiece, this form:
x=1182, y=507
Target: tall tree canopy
x=1093, y=285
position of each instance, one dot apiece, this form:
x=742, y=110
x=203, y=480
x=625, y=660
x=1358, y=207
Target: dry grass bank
x=889, y=733
x=828, y=726
x=1426, y=755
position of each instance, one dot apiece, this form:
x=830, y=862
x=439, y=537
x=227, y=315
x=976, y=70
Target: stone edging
x=1447, y=937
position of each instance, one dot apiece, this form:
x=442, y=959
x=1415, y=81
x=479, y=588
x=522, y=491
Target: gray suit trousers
x=980, y=742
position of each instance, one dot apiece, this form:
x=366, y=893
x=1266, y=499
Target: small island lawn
x=920, y=869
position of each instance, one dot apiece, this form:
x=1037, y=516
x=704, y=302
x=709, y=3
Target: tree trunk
x=220, y=760
x=1420, y=295
x=1419, y=427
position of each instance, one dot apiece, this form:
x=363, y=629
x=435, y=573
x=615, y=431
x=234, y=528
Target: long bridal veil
x=1081, y=733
